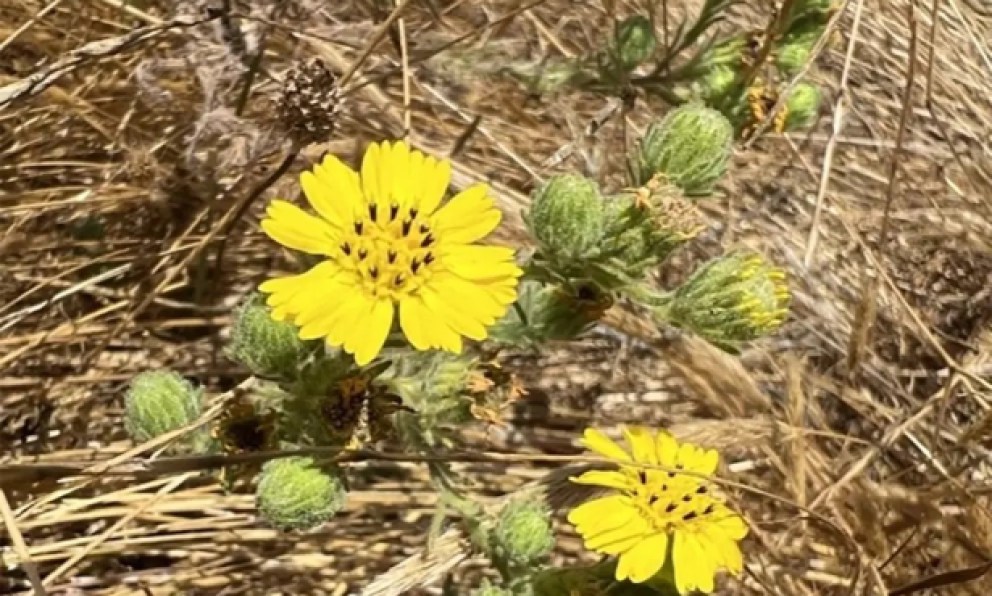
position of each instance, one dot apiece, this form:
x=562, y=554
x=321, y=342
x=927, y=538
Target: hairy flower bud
x=803, y=106
x=796, y=49
x=269, y=348
x=716, y=83
x=523, y=535
x=731, y=299
x=689, y=147
x=636, y=41
x=159, y=402
x=566, y=217
x=294, y=493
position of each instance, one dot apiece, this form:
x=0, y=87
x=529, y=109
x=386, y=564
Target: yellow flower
x=386, y=246
x=656, y=513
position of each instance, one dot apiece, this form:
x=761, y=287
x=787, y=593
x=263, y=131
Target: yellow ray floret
x=393, y=252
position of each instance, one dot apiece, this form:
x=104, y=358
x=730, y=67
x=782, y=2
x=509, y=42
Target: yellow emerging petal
x=642, y=444
x=481, y=263
x=335, y=191
x=595, y=440
x=644, y=560
x=607, y=478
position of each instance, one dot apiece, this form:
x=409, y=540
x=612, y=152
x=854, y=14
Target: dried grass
x=858, y=437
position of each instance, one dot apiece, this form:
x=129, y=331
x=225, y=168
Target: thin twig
x=20, y=547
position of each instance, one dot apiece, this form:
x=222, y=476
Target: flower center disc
x=390, y=249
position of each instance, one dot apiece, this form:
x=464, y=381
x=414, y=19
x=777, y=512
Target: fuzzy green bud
x=523, y=534
x=689, y=147
x=294, y=493
x=159, y=402
x=795, y=50
x=717, y=83
x=636, y=41
x=566, y=217
x=488, y=589
x=733, y=298
x=803, y=106
x=269, y=348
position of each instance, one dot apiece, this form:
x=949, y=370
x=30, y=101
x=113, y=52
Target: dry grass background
x=859, y=435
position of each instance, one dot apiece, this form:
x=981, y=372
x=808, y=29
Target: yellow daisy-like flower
x=656, y=513
x=390, y=245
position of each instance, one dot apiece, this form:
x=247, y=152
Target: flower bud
x=636, y=41
x=488, y=589
x=267, y=347
x=159, y=402
x=566, y=217
x=523, y=535
x=795, y=50
x=294, y=493
x=690, y=148
x=716, y=83
x=643, y=232
x=733, y=298
x=803, y=106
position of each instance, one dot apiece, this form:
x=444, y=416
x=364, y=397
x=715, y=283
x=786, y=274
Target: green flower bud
x=690, y=147
x=642, y=233
x=159, y=402
x=267, y=347
x=488, y=589
x=795, y=50
x=733, y=298
x=636, y=41
x=294, y=493
x=717, y=83
x=523, y=535
x=803, y=106
x=566, y=217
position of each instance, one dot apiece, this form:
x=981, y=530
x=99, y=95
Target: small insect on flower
x=664, y=508
x=389, y=245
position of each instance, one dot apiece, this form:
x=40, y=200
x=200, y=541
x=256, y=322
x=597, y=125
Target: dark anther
x=687, y=498
x=346, y=249
x=671, y=474
x=406, y=226
x=642, y=476
x=679, y=467
x=708, y=510
x=664, y=487
x=424, y=228
x=427, y=241
x=652, y=499
x=362, y=253
x=413, y=212
x=372, y=209
x=393, y=210
x=428, y=259
x=373, y=272
x=689, y=516
x=414, y=265
x=701, y=490
x=358, y=228
x=398, y=280
x=391, y=256
x=671, y=507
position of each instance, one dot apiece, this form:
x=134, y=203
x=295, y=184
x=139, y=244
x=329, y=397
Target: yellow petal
x=294, y=228
x=373, y=328
x=356, y=304
x=594, y=440
x=467, y=217
x=437, y=177
x=451, y=310
x=602, y=513
x=607, y=478
x=282, y=289
x=477, y=300
x=642, y=444
x=694, y=567
x=374, y=172
x=620, y=538
x=725, y=550
x=668, y=449
x=729, y=523
x=334, y=190
x=644, y=560
x=424, y=329
x=478, y=263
